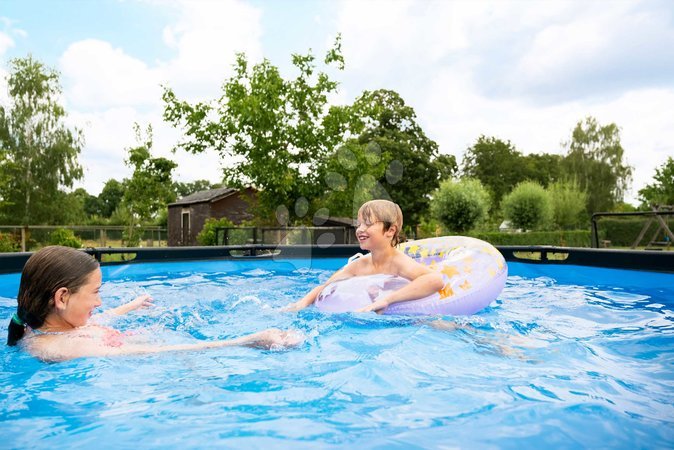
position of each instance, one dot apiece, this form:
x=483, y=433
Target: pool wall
x=657, y=261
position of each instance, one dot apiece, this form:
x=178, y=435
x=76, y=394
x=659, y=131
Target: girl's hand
x=274, y=338
x=291, y=307
x=143, y=301
x=140, y=302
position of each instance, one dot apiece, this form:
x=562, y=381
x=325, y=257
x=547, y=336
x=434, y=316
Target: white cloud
x=99, y=76
x=206, y=39
x=108, y=90
x=522, y=71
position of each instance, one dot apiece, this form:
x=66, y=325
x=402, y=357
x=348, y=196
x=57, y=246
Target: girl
x=58, y=293
x=379, y=225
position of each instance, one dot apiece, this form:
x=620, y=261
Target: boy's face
x=370, y=233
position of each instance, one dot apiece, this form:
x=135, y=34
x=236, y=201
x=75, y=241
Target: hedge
x=575, y=238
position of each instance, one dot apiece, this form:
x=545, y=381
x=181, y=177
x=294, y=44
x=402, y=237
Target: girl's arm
x=66, y=347
x=424, y=282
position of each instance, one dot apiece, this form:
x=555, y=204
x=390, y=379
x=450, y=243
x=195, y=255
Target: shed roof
x=209, y=195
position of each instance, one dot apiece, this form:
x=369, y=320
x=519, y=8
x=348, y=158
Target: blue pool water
x=567, y=357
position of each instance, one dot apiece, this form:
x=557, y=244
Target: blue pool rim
x=644, y=260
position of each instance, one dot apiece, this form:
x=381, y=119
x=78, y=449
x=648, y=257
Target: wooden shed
x=187, y=216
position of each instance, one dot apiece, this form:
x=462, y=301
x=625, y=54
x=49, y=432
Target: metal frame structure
x=654, y=215
x=609, y=258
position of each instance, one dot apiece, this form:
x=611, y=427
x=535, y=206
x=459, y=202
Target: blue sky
x=522, y=71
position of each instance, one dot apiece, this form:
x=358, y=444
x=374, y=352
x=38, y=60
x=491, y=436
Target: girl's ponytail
x=16, y=330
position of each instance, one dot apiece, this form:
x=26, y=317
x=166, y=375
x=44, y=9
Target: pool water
x=567, y=357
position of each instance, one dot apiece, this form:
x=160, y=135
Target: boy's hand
x=378, y=306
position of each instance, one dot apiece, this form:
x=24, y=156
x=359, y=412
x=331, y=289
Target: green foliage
x=8, y=243
x=65, y=237
x=110, y=197
x=275, y=131
x=661, y=191
x=150, y=188
x=528, y=206
x=39, y=153
x=461, y=205
x=414, y=168
x=207, y=234
x=497, y=164
x=568, y=204
x=595, y=159
x=352, y=175
x=574, y=238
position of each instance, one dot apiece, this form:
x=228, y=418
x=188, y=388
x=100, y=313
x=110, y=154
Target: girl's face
x=80, y=305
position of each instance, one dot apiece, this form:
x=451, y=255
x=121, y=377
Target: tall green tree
x=272, y=131
x=352, y=176
x=661, y=191
x=595, y=158
x=39, y=152
x=381, y=118
x=496, y=163
x=110, y=197
x=150, y=188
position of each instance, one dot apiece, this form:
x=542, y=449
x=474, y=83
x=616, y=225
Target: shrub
x=207, y=234
x=568, y=204
x=8, y=243
x=528, y=206
x=65, y=237
x=460, y=206
x=574, y=238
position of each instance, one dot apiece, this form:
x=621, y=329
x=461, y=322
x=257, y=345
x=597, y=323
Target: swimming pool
x=568, y=356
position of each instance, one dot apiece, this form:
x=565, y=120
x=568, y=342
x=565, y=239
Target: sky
x=522, y=71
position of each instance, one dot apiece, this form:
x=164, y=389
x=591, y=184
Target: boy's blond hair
x=384, y=211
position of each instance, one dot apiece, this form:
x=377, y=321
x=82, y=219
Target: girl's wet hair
x=45, y=272
x=384, y=211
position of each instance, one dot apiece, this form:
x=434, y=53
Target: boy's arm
x=423, y=282
x=347, y=271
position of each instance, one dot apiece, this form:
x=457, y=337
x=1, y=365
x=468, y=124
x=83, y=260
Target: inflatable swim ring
x=474, y=273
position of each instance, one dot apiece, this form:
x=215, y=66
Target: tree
x=274, y=131
x=39, y=153
x=568, y=204
x=595, y=159
x=150, y=187
x=110, y=197
x=661, y=191
x=528, y=206
x=352, y=176
x=460, y=205
x=497, y=164
x=381, y=118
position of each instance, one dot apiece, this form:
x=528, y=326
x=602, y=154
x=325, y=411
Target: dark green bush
x=207, y=234
x=528, y=206
x=460, y=205
x=568, y=204
x=8, y=243
x=65, y=237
